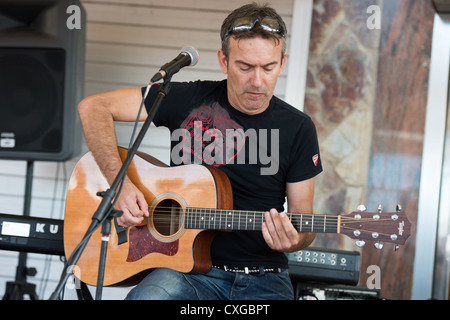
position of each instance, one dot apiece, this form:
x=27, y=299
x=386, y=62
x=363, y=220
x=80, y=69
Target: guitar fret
x=209, y=219
x=239, y=221
x=203, y=218
x=215, y=219
x=198, y=216
x=188, y=222
x=187, y=217
x=290, y=218
x=246, y=221
x=306, y=223
x=194, y=219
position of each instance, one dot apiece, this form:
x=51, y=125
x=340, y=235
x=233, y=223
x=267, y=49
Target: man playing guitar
x=246, y=264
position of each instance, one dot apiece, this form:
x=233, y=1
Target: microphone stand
x=105, y=212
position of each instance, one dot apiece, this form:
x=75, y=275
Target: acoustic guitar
x=188, y=205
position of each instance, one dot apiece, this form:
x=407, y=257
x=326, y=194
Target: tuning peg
x=360, y=243
x=396, y=247
x=398, y=208
x=380, y=208
x=361, y=208
x=378, y=245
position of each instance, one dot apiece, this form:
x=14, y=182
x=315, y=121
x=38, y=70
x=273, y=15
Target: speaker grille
x=31, y=99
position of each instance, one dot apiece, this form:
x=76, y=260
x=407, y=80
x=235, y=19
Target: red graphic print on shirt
x=214, y=137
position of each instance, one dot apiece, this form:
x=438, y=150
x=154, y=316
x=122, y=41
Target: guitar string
x=196, y=210
x=238, y=219
x=306, y=228
x=327, y=220
x=247, y=215
x=257, y=214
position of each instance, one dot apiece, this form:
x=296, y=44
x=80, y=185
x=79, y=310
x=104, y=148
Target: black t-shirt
x=259, y=153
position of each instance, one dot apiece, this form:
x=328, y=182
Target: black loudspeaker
x=42, y=57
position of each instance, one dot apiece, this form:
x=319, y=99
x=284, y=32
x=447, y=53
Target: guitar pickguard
x=143, y=243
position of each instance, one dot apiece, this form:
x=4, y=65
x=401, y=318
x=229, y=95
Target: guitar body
x=163, y=240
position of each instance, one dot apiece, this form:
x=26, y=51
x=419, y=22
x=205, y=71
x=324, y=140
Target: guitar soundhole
x=167, y=217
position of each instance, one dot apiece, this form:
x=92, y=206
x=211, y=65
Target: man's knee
x=162, y=284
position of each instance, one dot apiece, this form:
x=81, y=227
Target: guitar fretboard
x=220, y=219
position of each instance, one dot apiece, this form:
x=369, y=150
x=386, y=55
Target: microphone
x=187, y=57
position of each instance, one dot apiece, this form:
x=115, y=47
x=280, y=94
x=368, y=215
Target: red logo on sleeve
x=315, y=159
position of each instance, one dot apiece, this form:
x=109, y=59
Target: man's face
x=253, y=68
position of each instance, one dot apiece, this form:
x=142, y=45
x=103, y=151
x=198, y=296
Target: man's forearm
x=305, y=240
x=98, y=127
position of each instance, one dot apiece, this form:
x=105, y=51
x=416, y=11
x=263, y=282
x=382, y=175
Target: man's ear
x=283, y=63
x=223, y=61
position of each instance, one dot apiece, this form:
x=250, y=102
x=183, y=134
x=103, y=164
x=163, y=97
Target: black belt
x=249, y=270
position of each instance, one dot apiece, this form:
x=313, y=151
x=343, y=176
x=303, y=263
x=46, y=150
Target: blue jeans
x=167, y=284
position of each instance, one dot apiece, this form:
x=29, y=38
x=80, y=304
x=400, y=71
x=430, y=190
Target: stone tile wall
x=367, y=93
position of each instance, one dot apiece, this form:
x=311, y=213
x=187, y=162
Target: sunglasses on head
x=247, y=24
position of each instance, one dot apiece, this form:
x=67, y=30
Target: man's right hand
x=132, y=203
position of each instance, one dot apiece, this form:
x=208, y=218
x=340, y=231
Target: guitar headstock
x=392, y=227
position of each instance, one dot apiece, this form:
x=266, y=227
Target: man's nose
x=256, y=79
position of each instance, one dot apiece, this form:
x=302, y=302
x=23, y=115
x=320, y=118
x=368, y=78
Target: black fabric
x=277, y=146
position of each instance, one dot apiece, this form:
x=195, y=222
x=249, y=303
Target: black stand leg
x=106, y=231
x=17, y=289
x=83, y=292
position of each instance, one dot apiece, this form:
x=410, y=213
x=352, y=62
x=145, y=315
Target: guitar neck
x=220, y=219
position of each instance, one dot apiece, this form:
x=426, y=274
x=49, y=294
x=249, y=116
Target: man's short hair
x=254, y=11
